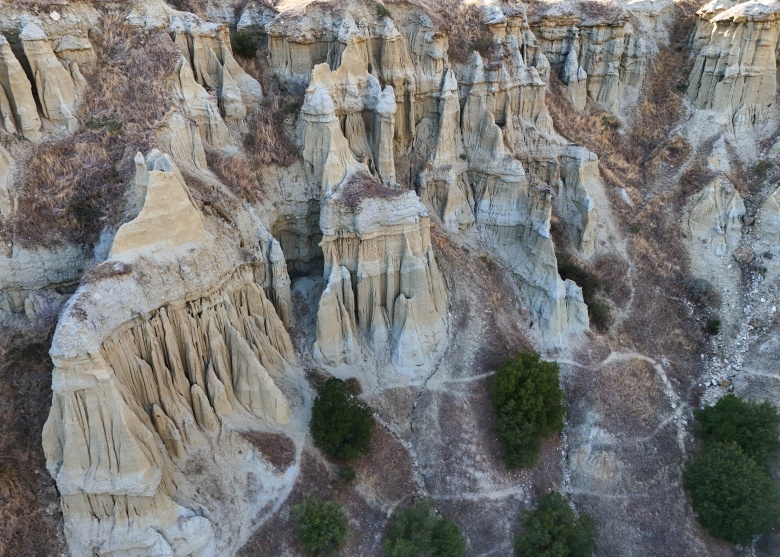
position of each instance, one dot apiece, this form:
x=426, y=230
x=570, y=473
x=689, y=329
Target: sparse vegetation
x=71, y=188
x=599, y=312
x=238, y=173
x=755, y=427
x=585, y=279
x=733, y=498
x=244, y=44
x=465, y=29
x=341, y=423
x=553, y=530
x=600, y=315
x=418, y=531
x=702, y=292
x=761, y=168
x=26, y=489
x=321, y=527
x=383, y=11
x=347, y=474
x=529, y=405
x=713, y=326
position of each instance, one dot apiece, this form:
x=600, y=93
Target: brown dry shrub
x=693, y=180
x=364, y=186
x=612, y=271
x=604, y=12
x=238, y=173
x=30, y=519
x=72, y=188
x=462, y=23
x=268, y=140
x=276, y=448
x=106, y=270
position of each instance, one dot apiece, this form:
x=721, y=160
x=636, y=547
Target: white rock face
x=53, y=82
x=158, y=376
x=769, y=227
x=608, y=56
x=6, y=198
x=714, y=218
x=735, y=70
x=17, y=105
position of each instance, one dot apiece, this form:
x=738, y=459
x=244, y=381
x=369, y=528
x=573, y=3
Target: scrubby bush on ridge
x=553, y=530
x=732, y=496
x=753, y=426
x=417, y=531
x=731, y=493
x=320, y=526
x=341, y=423
x=528, y=401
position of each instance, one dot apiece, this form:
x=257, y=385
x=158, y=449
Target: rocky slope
x=389, y=195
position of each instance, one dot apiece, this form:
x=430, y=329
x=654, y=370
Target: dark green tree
x=417, y=531
x=244, y=44
x=553, y=530
x=341, y=423
x=755, y=427
x=529, y=405
x=320, y=526
x=732, y=495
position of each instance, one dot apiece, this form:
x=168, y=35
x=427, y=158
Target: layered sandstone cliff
x=736, y=46
x=166, y=352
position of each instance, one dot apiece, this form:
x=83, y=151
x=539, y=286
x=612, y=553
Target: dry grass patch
x=30, y=518
x=238, y=173
x=276, y=448
x=269, y=136
x=72, y=188
x=363, y=186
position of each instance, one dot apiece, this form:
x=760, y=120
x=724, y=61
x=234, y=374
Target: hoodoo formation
x=209, y=208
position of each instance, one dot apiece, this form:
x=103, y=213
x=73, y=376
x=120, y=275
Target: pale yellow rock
x=197, y=105
x=77, y=50
x=168, y=433
x=182, y=140
x=16, y=95
x=610, y=58
x=168, y=218
x=54, y=84
x=443, y=183
x=207, y=45
x=204, y=413
x=125, y=410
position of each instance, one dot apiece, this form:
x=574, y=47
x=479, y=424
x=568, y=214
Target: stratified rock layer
x=166, y=350
x=736, y=69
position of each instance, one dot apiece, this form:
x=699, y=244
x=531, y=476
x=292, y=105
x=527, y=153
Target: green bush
x=341, y=423
x=755, y=427
x=586, y=280
x=416, y=531
x=382, y=11
x=529, y=405
x=320, y=526
x=713, y=326
x=733, y=497
x=244, y=44
x=552, y=530
x=347, y=474
x=600, y=315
